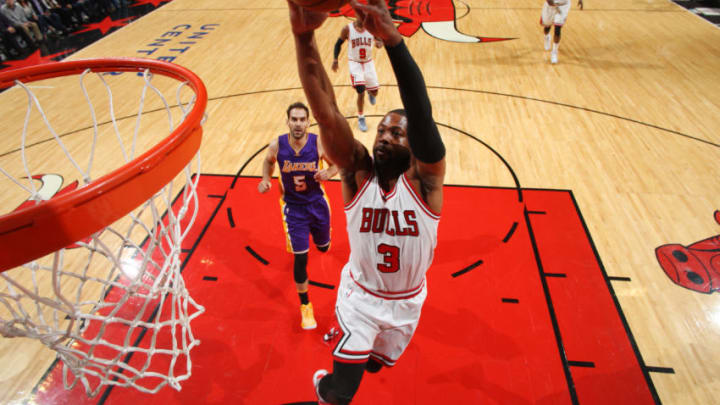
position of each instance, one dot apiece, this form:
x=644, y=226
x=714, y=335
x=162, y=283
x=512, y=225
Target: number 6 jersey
x=392, y=239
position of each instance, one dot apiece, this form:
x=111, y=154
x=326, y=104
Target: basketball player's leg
x=372, y=96
x=360, y=89
x=360, y=99
x=373, y=366
x=558, y=34
x=396, y=335
x=300, y=276
x=390, y=345
x=357, y=334
x=297, y=229
x=548, y=37
x=556, y=44
x=302, y=286
x=340, y=386
x=558, y=22
x=357, y=76
x=371, y=81
x=547, y=17
x=320, y=225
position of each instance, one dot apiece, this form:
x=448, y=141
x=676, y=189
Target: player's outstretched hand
x=303, y=20
x=322, y=175
x=376, y=19
x=263, y=186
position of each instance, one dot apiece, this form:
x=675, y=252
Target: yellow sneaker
x=308, y=319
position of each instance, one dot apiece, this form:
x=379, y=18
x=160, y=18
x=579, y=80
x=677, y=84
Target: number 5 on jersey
x=300, y=184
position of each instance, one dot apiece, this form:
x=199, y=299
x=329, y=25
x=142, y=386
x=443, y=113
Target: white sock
x=361, y=116
x=555, y=47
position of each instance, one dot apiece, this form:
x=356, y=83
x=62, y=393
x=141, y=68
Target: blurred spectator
x=9, y=35
x=20, y=22
x=53, y=7
x=48, y=21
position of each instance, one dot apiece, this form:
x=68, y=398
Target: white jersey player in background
x=555, y=12
x=360, y=62
x=393, y=200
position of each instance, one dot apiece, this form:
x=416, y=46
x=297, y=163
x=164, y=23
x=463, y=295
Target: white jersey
x=360, y=48
x=392, y=239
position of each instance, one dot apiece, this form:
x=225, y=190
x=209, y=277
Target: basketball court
x=575, y=194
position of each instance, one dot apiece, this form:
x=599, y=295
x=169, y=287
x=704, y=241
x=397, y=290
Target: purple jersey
x=297, y=171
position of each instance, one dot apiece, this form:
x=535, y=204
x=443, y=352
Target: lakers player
x=305, y=208
x=392, y=202
x=362, y=68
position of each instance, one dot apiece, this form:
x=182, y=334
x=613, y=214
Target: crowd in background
x=28, y=24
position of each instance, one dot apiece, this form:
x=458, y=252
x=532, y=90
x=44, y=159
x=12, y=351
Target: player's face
x=298, y=123
x=391, y=143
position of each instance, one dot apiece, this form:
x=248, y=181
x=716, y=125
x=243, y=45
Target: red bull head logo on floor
x=696, y=267
x=435, y=17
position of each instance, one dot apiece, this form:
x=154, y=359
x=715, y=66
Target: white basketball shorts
x=363, y=74
x=554, y=15
x=373, y=326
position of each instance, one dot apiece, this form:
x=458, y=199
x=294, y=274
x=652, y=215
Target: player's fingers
x=361, y=8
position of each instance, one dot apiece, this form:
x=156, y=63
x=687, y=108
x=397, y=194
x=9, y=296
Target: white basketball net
x=114, y=306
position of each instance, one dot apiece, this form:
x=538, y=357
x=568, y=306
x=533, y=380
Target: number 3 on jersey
x=391, y=258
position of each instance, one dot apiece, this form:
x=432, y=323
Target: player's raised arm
x=344, y=34
x=423, y=135
x=335, y=133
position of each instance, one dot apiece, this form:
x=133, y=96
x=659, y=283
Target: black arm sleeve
x=423, y=135
x=338, y=46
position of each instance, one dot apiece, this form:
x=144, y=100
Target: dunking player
x=392, y=202
x=362, y=68
x=304, y=206
x=555, y=12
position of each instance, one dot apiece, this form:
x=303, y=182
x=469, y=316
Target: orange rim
x=39, y=230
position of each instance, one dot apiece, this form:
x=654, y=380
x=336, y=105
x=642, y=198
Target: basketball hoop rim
x=36, y=231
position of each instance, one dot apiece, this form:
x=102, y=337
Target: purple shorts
x=302, y=220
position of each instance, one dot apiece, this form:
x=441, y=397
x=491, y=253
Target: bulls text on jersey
x=361, y=41
x=392, y=222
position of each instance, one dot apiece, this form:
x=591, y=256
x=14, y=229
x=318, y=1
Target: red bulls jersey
x=392, y=239
x=360, y=49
